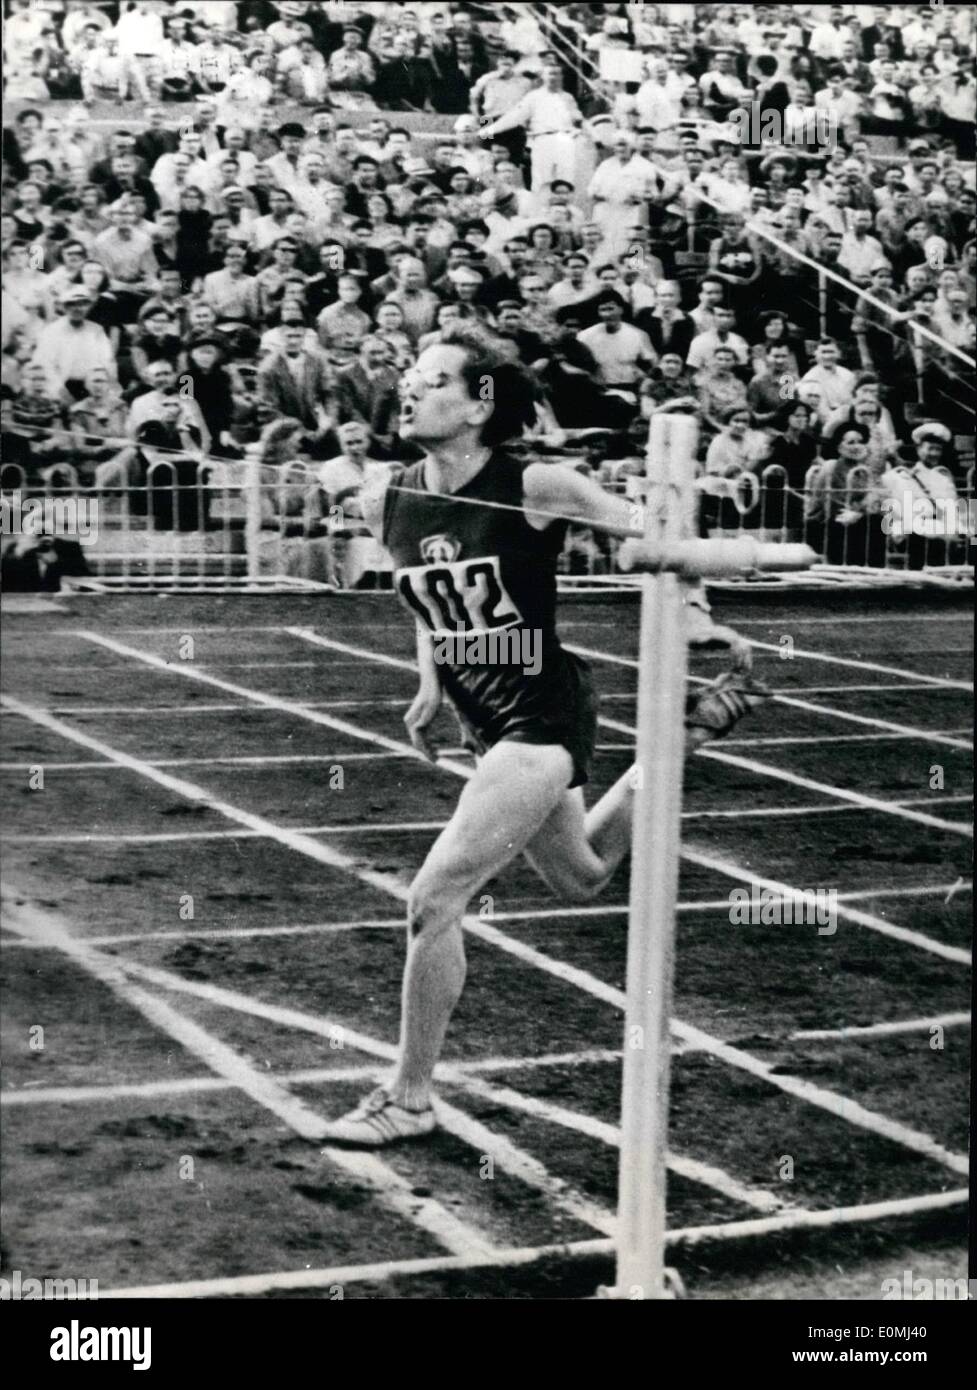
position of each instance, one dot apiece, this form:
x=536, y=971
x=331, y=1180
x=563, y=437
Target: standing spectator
x=351, y=71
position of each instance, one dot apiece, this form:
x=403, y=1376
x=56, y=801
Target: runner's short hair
x=511, y=387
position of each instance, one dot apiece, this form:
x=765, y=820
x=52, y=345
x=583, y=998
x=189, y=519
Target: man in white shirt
x=828, y=40
x=659, y=98
x=721, y=88
x=623, y=353
x=141, y=39
x=70, y=347
x=860, y=252
x=552, y=118
x=842, y=104
x=161, y=376
x=704, y=344
x=620, y=187
x=577, y=285
x=835, y=383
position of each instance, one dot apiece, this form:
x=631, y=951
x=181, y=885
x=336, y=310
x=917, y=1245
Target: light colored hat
x=931, y=429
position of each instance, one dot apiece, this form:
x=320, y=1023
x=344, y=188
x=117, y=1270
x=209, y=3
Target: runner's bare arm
x=554, y=488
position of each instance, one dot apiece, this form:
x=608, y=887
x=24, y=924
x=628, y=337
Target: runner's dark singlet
x=463, y=568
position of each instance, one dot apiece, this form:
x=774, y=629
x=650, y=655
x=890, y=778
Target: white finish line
x=686, y=1238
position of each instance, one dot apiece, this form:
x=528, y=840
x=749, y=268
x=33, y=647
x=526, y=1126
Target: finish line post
x=654, y=872
x=670, y=551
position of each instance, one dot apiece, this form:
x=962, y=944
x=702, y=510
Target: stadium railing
x=224, y=526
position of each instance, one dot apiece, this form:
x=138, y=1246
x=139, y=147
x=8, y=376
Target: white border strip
x=882, y=1030
x=513, y=1257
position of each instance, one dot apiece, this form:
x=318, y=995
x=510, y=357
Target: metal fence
x=242, y=525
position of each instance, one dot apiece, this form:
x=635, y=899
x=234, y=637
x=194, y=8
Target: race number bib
x=459, y=596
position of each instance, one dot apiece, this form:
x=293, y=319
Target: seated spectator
x=921, y=503
x=351, y=71
x=844, y=501
x=667, y=327
x=69, y=347
x=835, y=383
x=297, y=384
x=719, y=388
x=703, y=347
x=343, y=326
x=97, y=422
x=366, y=391
x=212, y=386
x=668, y=387
x=792, y=453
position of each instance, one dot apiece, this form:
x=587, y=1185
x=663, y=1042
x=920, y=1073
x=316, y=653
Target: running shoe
x=713, y=712
x=377, y=1121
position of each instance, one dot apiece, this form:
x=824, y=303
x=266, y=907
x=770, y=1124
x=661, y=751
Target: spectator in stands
x=792, y=453
x=297, y=384
x=843, y=509
x=835, y=383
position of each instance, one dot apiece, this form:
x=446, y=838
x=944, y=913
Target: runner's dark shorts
x=567, y=717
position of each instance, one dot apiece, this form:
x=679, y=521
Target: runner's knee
x=576, y=885
x=433, y=907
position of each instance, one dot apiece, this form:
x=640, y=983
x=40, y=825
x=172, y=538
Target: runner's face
x=434, y=402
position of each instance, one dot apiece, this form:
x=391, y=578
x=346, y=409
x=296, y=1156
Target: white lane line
x=311, y=1076
x=388, y=1187
x=779, y=698
x=780, y=695
x=541, y=914
x=854, y=914
x=882, y=1030
x=464, y=1126
x=887, y=618
x=841, y=1106
x=260, y=697
x=244, y=1285
x=396, y=888
x=786, y=740
x=254, y=760
x=686, y=1238
x=854, y=664
x=368, y=827
x=703, y=1173
x=314, y=759
x=794, y=779
x=923, y=890
x=820, y=1220
x=868, y=803
x=397, y=625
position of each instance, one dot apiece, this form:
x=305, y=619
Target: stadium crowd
x=230, y=228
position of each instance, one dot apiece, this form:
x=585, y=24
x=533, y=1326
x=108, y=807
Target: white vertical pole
x=654, y=875
x=252, y=523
